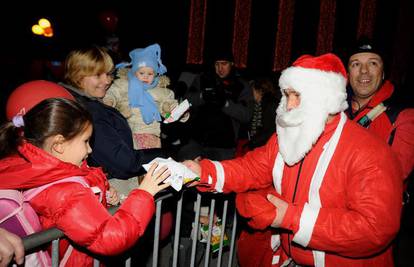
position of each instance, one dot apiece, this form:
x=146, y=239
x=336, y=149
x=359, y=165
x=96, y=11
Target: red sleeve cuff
x=207, y=170
x=292, y=218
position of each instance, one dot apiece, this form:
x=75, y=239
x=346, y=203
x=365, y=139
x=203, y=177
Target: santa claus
x=337, y=188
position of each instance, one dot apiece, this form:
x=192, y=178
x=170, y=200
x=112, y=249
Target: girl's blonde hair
x=86, y=62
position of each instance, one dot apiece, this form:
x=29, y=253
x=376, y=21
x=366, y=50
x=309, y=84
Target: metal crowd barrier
x=36, y=240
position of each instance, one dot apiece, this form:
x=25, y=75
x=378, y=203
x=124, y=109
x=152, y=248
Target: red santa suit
x=343, y=193
x=75, y=209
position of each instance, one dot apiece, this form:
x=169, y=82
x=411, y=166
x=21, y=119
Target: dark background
x=140, y=23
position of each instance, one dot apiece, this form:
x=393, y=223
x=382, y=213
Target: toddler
x=140, y=93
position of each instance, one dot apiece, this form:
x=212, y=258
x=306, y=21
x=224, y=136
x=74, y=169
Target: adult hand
x=185, y=117
x=10, y=245
x=153, y=180
x=195, y=167
x=281, y=207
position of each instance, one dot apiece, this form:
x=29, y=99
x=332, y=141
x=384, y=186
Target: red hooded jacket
x=75, y=209
x=403, y=140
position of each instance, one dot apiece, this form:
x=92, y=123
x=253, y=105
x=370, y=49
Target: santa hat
x=147, y=57
x=322, y=78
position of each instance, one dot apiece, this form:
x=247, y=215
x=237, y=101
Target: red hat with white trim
x=321, y=78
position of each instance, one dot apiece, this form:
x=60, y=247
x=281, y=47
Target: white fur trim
x=330, y=87
x=278, y=173
x=323, y=163
x=286, y=262
x=65, y=258
x=275, y=242
x=318, y=258
x=220, y=176
x=306, y=225
x=311, y=211
x=275, y=259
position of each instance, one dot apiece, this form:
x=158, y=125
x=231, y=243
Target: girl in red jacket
x=50, y=143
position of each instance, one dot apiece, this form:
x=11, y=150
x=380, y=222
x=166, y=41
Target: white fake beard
x=298, y=130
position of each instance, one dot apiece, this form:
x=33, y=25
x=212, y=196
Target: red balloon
x=109, y=20
x=27, y=95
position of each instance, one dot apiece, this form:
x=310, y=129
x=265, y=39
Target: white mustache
x=290, y=118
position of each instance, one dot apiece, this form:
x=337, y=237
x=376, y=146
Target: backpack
x=18, y=217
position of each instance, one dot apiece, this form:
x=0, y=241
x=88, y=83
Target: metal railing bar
x=233, y=238
x=128, y=262
x=195, y=230
x=223, y=231
x=156, y=234
x=177, y=230
x=33, y=241
x=210, y=230
x=55, y=253
x=46, y=236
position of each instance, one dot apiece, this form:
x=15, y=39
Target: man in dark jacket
x=222, y=103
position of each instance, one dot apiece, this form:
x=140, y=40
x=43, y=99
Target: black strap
x=293, y=198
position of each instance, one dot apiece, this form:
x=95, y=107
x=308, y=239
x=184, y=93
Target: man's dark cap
x=223, y=54
x=366, y=45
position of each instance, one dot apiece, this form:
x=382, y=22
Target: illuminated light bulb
x=44, y=23
x=48, y=32
x=36, y=29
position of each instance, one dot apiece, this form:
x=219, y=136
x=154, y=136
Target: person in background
x=11, y=247
x=113, y=45
x=262, y=125
x=375, y=104
x=221, y=108
x=222, y=102
x=88, y=75
x=337, y=193
x=42, y=147
x=141, y=95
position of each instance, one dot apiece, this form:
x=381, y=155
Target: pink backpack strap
x=31, y=193
x=15, y=196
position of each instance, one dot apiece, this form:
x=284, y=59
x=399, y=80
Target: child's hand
x=152, y=182
x=167, y=108
x=113, y=197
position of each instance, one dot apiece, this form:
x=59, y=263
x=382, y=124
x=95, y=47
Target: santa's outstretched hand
x=194, y=166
